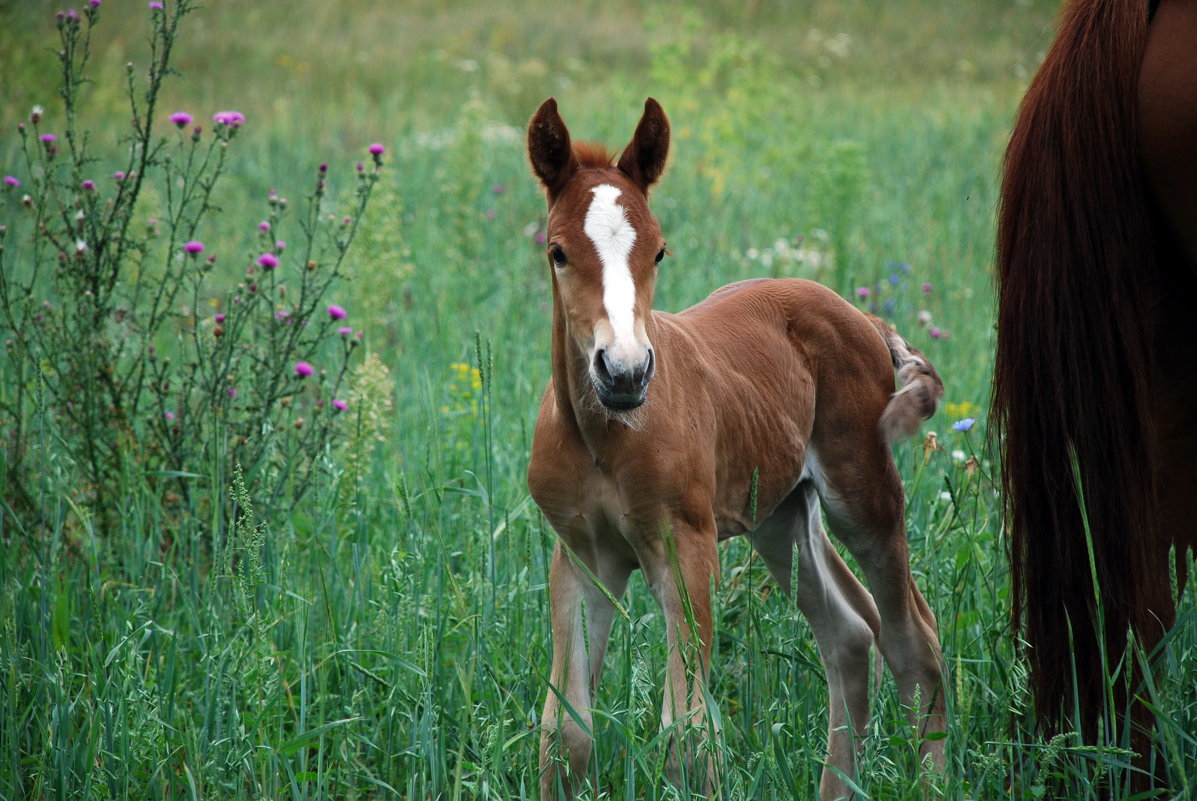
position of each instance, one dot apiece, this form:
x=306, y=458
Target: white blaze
x=613, y=237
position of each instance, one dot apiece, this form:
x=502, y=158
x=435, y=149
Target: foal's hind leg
x=862, y=493
x=842, y=615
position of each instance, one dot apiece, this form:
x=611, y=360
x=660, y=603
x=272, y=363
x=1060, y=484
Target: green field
x=379, y=629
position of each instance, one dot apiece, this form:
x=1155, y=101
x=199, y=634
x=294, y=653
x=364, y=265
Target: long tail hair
x=1075, y=253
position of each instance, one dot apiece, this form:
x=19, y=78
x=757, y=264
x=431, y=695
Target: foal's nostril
x=644, y=373
x=601, y=368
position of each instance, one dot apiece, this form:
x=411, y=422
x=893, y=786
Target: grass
x=390, y=638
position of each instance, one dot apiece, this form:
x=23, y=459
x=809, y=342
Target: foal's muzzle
x=621, y=386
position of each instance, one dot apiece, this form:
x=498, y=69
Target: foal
x=660, y=435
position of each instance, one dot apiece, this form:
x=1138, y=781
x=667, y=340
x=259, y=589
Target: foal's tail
x=919, y=387
x=1075, y=252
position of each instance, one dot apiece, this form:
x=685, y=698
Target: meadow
x=363, y=613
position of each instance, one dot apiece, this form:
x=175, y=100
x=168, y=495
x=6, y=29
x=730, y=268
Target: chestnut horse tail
x=919, y=387
x=1075, y=255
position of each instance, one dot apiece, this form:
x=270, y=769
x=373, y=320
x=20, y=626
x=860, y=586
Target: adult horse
x=1096, y=372
x=661, y=434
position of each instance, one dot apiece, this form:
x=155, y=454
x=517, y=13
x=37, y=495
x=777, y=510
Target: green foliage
x=385, y=633
x=106, y=289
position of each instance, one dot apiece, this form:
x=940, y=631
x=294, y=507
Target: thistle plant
x=123, y=333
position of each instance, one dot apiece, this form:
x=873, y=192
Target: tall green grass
x=390, y=638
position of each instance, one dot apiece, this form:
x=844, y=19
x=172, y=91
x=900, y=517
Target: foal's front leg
x=565, y=742
x=680, y=568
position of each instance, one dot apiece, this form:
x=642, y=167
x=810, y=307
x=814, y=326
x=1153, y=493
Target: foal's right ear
x=549, y=148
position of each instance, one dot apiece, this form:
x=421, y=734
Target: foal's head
x=604, y=246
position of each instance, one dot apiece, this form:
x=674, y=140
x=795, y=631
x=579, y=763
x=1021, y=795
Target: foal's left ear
x=644, y=158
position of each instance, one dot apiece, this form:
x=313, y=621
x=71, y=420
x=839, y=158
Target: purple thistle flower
x=863, y=292
x=219, y=318
x=232, y=118
x=156, y=5
x=377, y=149
x=181, y=119
x=194, y=247
x=231, y=392
x=541, y=238
x=170, y=415
x=11, y=181
x=268, y=261
x=49, y=139
x=303, y=369
x=336, y=312
x=936, y=333
x=89, y=185
x=282, y=314
x=279, y=244
x=340, y=404
x=263, y=226
x=94, y=3
x=118, y=176
x=927, y=287
x=344, y=330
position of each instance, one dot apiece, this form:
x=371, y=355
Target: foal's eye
x=557, y=255
x=660, y=255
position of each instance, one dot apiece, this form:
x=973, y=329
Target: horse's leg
x=861, y=490
x=566, y=741
x=842, y=615
x=680, y=566
x=1167, y=101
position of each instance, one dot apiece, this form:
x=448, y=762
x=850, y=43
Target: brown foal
x=660, y=435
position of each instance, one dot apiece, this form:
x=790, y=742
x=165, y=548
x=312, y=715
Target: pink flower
x=340, y=404
x=377, y=149
x=156, y=5
x=303, y=369
x=263, y=226
x=337, y=313
x=181, y=119
x=118, y=176
x=344, y=330
x=49, y=139
x=927, y=287
x=170, y=415
x=89, y=185
x=268, y=261
x=231, y=118
x=279, y=244
x=231, y=392
x=936, y=333
x=219, y=318
x=194, y=247
x=11, y=181
x=862, y=292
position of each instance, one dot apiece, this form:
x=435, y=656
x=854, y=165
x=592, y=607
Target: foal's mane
x=590, y=155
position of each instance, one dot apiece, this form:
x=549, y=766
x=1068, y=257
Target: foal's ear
x=644, y=158
x=549, y=149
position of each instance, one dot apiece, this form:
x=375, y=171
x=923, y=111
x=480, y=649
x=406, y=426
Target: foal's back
x=775, y=368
